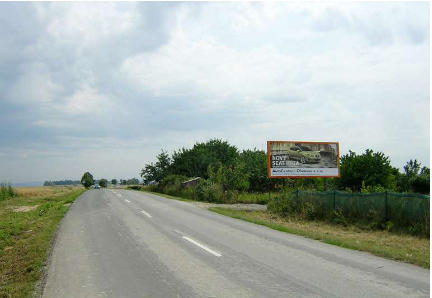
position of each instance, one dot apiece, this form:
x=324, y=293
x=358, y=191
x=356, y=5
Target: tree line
x=87, y=180
x=62, y=182
x=223, y=166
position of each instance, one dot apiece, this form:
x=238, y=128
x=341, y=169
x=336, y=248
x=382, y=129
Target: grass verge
x=189, y=194
x=405, y=248
x=167, y=196
x=27, y=224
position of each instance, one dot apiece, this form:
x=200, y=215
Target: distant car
x=304, y=155
x=96, y=186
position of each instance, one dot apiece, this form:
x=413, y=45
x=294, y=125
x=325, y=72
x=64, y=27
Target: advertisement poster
x=295, y=159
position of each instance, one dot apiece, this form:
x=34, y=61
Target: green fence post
x=334, y=200
x=297, y=195
x=385, y=210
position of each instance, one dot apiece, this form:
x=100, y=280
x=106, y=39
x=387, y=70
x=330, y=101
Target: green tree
x=416, y=178
x=412, y=168
x=87, y=180
x=369, y=169
x=103, y=183
x=132, y=181
x=114, y=181
x=421, y=183
x=194, y=162
x=255, y=165
x=231, y=177
x=158, y=171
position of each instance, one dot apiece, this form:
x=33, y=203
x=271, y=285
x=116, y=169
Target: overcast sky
x=103, y=87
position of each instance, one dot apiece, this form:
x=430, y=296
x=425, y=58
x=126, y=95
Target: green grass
x=405, y=248
x=25, y=238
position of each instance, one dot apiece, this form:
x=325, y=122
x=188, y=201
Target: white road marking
x=119, y=195
x=215, y=253
x=143, y=212
x=127, y=201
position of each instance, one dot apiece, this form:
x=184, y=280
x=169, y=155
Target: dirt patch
x=25, y=208
x=247, y=207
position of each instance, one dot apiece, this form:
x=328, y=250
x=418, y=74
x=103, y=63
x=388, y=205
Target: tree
x=103, y=182
x=416, y=178
x=421, y=183
x=87, y=180
x=369, y=169
x=232, y=177
x=114, y=181
x=157, y=172
x=412, y=168
x=255, y=165
x=194, y=162
x=132, y=181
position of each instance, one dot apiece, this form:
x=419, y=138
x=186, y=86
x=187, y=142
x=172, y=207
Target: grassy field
x=27, y=225
x=405, y=248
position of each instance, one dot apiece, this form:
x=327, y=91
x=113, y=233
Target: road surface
x=122, y=243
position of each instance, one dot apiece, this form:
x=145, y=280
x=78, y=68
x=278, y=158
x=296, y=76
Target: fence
x=402, y=209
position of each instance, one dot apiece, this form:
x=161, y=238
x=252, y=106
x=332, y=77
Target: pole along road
x=120, y=243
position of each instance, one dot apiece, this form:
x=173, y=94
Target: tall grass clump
x=287, y=205
x=6, y=191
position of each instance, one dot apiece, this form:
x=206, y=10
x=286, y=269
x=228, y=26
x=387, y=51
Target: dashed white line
x=215, y=253
x=127, y=201
x=119, y=195
x=143, y=212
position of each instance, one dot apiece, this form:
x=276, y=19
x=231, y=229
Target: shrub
x=209, y=191
x=282, y=205
x=338, y=217
x=6, y=191
x=135, y=187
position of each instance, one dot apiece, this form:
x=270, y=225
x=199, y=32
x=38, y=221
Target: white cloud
x=34, y=86
x=86, y=100
x=131, y=78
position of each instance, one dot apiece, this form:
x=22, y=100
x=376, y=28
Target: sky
x=105, y=86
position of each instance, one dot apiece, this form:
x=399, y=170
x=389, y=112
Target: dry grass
x=45, y=191
x=406, y=248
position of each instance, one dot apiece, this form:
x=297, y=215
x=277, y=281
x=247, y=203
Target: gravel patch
x=248, y=207
x=25, y=208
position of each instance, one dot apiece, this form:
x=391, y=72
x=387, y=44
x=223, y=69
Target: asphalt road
x=120, y=243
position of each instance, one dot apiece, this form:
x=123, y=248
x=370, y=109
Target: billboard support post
x=325, y=184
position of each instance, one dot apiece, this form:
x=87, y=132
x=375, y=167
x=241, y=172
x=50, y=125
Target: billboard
x=295, y=159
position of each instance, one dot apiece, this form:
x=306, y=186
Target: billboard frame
x=283, y=177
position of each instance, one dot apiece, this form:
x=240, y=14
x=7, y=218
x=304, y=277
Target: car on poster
x=293, y=159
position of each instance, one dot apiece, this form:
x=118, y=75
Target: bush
x=7, y=191
x=338, y=217
x=209, y=191
x=135, y=187
x=282, y=205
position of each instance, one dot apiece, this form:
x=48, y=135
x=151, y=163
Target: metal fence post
x=334, y=200
x=385, y=210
